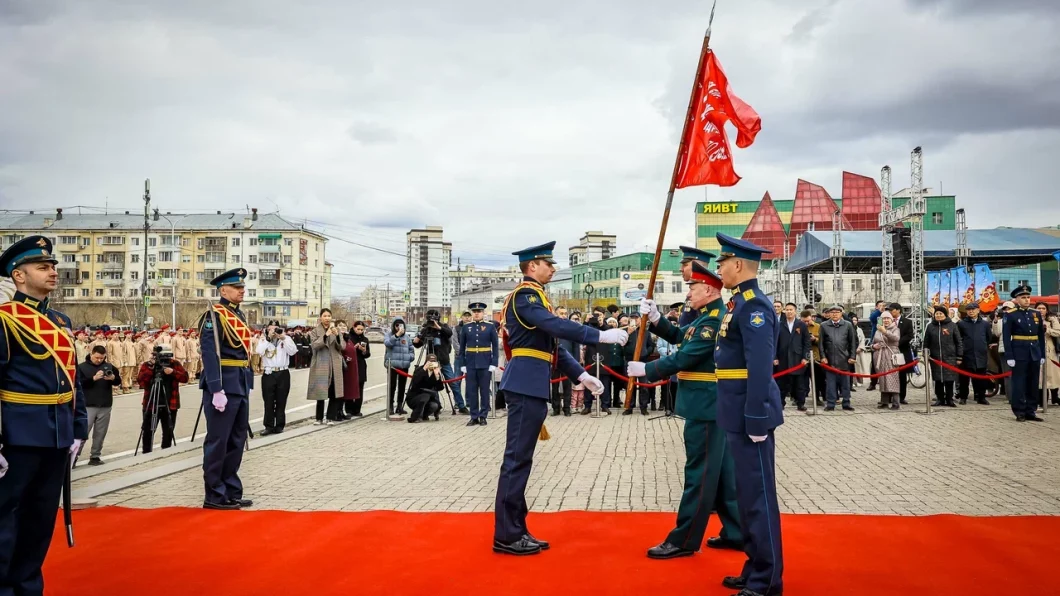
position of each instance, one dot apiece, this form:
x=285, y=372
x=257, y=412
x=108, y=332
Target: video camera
x=274, y=330
x=163, y=358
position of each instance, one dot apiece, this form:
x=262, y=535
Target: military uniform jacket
x=748, y=397
x=1024, y=335
x=693, y=363
x=232, y=373
x=30, y=377
x=530, y=329
x=478, y=345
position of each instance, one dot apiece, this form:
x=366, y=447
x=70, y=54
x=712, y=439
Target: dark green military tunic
x=710, y=479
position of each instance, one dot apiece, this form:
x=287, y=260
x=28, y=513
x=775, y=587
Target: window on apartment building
x=84, y=292
x=69, y=258
x=165, y=256
x=286, y=259
x=936, y=218
x=84, y=275
x=185, y=258
x=200, y=258
x=86, y=258
x=235, y=241
x=660, y=287
x=1023, y=282
x=252, y=276
x=115, y=293
x=288, y=242
x=675, y=287
x=253, y=242
x=135, y=258
x=152, y=242
x=317, y=244
x=199, y=293
x=316, y=262
x=99, y=292
x=133, y=293
x=67, y=239
x=135, y=241
x=1003, y=285
x=213, y=293
x=270, y=293
x=199, y=275
x=252, y=293
x=235, y=258
x=185, y=275
x=134, y=275
x=167, y=292
x=68, y=292
x=287, y=293
x=818, y=285
x=287, y=276
x=856, y=285
x=253, y=258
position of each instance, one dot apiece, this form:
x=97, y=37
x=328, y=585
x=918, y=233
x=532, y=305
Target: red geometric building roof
x=861, y=201
x=766, y=229
x=813, y=205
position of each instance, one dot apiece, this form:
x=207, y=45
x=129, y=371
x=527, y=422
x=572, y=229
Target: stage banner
x=985, y=288
x=963, y=290
x=934, y=281
x=944, y=289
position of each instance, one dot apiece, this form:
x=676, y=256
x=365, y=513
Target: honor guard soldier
x=749, y=409
x=529, y=332
x=478, y=352
x=1024, y=337
x=43, y=419
x=226, y=383
x=690, y=255
x=710, y=479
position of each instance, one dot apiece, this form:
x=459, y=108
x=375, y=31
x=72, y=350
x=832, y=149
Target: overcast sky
x=509, y=124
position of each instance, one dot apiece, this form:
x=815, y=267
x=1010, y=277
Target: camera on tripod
x=163, y=358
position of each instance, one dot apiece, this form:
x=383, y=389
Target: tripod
x=156, y=397
x=428, y=349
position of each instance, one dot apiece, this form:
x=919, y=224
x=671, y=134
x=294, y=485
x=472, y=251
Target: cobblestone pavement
x=973, y=460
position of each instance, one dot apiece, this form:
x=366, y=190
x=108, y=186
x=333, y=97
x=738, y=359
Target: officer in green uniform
x=710, y=479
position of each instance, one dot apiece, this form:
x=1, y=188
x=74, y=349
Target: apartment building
x=593, y=246
x=465, y=277
x=428, y=260
x=108, y=266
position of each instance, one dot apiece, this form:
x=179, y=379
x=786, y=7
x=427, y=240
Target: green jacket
x=697, y=387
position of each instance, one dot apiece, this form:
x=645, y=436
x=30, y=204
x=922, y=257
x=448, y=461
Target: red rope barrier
x=789, y=371
x=972, y=375
x=875, y=376
x=624, y=378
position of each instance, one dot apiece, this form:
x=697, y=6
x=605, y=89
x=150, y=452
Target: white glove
x=1042, y=362
x=591, y=383
x=463, y=369
x=614, y=336
x=73, y=451
x=757, y=439
x=648, y=307
x=493, y=368
x=635, y=369
x=1011, y=363
x=220, y=401
x=3, y=466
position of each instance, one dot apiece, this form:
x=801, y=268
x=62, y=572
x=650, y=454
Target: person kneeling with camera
x=423, y=397
x=160, y=378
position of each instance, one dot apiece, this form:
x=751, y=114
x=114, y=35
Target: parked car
x=376, y=335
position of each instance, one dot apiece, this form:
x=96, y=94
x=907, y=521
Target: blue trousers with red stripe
x=756, y=493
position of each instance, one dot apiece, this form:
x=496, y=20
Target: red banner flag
x=707, y=158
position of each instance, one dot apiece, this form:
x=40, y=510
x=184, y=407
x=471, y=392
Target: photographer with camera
x=437, y=337
x=160, y=378
x=423, y=396
x=276, y=349
x=98, y=379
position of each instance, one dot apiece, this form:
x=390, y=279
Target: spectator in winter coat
x=942, y=339
x=839, y=345
x=98, y=378
x=399, y=357
x=976, y=340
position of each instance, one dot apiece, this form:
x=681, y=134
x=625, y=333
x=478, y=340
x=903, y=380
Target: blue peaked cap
x=541, y=251
x=31, y=249
x=741, y=249
x=688, y=252
x=477, y=306
x=232, y=277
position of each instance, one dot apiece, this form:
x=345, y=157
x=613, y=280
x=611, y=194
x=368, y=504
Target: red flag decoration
x=707, y=158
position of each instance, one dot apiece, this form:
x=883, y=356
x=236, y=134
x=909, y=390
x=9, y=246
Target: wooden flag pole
x=682, y=146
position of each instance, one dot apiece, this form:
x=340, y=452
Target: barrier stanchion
x=926, y=361
x=1042, y=391
x=596, y=402
x=388, y=412
x=813, y=384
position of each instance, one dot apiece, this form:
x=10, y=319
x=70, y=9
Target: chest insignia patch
x=707, y=333
x=531, y=299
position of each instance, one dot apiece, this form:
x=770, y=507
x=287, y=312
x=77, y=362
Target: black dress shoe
x=735, y=582
x=482, y=422
x=1021, y=418
x=585, y=411
x=265, y=433
x=627, y=412
x=472, y=422
x=801, y=408
x=644, y=411
x=668, y=551
x=542, y=543
x=242, y=502
x=848, y=408
x=464, y=411
x=566, y=411
x=724, y=543
x=1035, y=418
x=555, y=412
x=518, y=548
x=229, y=506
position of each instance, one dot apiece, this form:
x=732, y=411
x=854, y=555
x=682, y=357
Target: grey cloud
x=371, y=133
x=974, y=7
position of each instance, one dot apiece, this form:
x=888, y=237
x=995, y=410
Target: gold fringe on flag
x=543, y=435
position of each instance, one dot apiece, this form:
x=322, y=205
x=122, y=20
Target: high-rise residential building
x=102, y=262
x=428, y=260
x=593, y=246
x=380, y=303
x=465, y=277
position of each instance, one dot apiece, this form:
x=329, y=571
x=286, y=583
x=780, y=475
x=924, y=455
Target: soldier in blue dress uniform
x=529, y=334
x=1024, y=337
x=749, y=409
x=688, y=256
x=226, y=381
x=478, y=353
x=43, y=419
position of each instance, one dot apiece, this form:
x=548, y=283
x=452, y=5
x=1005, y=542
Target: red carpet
x=202, y=553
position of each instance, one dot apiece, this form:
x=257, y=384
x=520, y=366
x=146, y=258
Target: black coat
x=362, y=359
x=97, y=394
x=943, y=340
x=839, y=344
x=976, y=337
x=792, y=346
x=906, y=335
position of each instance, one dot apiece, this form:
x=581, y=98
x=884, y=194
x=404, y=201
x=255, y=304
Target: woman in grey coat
x=884, y=348
x=943, y=341
x=325, y=370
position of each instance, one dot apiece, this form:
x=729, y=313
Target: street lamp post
x=173, y=288
x=588, y=291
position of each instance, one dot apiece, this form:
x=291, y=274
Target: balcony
x=114, y=266
x=268, y=281
x=63, y=266
x=268, y=248
x=114, y=283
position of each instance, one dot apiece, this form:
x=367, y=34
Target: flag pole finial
x=710, y=22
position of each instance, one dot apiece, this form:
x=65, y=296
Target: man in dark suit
x=975, y=333
x=793, y=347
x=905, y=341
